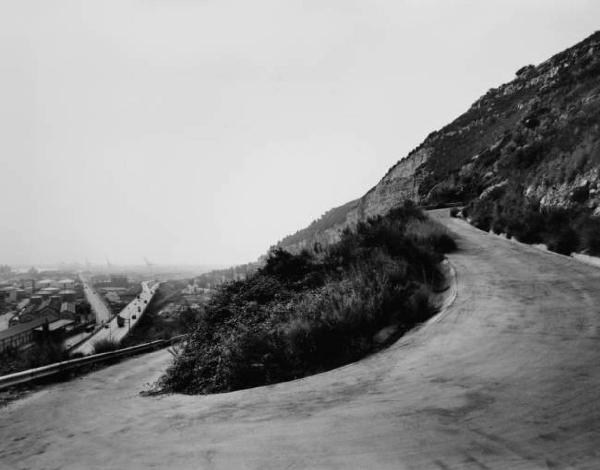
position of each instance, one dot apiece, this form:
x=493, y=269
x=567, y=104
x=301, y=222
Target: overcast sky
x=204, y=131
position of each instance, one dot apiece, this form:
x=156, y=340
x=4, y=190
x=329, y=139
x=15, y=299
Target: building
x=66, y=284
x=55, y=330
x=67, y=295
x=45, y=283
x=84, y=312
x=68, y=311
x=28, y=285
x=37, y=309
x=10, y=294
x=50, y=306
x=22, y=333
x=52, y=290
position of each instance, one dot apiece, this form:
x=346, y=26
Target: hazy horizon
x=202, y=132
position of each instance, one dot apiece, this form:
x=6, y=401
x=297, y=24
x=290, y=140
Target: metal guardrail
x=45, y=371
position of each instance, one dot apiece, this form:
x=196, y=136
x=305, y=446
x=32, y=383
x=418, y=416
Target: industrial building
x=66, y=284
x=10, y=294
x=54, y=331
x=22, y=334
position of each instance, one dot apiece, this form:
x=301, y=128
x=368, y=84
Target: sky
x=202, y=132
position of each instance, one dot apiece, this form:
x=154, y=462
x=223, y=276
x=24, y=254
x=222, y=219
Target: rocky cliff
x=533, y=142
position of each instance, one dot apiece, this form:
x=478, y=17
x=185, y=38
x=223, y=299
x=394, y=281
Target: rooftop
x=23, y=327
x=55, y=325
x=67, y=307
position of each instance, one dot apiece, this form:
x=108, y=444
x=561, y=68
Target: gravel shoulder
x=506, y=377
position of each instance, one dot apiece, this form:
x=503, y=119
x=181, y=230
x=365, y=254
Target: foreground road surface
x=508, y=377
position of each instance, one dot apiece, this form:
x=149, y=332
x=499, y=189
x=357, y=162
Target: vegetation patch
x=305, y=313
x=39, y=354
x=563, y=230
x=153, y=326
x=105, y=345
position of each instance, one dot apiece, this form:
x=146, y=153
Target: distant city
x=69, y=306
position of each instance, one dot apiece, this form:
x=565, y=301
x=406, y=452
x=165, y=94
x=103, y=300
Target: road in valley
x=507, y=377
x=131, y=314
x=99, y=307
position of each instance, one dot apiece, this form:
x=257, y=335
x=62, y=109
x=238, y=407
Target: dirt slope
x=508, y=377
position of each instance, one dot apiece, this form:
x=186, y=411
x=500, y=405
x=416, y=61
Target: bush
x=563, y=230
x=431, y=234
x=305, y=313
x=40, y=354
x=589, y=228
x=564, y=242
x=105, y=345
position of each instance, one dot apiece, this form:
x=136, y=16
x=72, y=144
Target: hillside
x=524, y=158
x=317, y=230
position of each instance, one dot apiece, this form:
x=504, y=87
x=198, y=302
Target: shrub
x=44, y=353
x=431, y=234
x=105, y=345
x=589, y=227
x=287, y=266
x=40, y=354
x=421, y=307
x=305, y=313
x=564, y=241
x=563, y=230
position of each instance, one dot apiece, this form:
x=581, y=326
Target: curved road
x=508, y=377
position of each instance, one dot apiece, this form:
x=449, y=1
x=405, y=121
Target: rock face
x=400, y=183
x=536, y=138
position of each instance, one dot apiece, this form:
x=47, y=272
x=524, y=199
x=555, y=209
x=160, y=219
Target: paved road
x=507, y=378
x=100, y=309
x=132, y=313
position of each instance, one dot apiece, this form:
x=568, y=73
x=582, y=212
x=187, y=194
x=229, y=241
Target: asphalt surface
x=132, y=313
x=507, y=377
x=100, y=309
